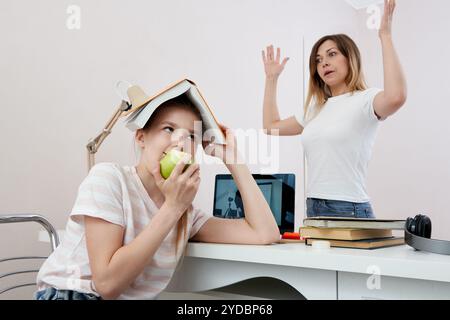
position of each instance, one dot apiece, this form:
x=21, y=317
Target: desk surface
x=400, y=261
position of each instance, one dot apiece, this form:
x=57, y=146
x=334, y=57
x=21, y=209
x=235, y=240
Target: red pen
x=291, y=235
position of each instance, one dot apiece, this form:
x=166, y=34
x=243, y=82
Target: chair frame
x=54, y=242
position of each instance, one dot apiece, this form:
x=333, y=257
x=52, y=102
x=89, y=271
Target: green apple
x=170, y=160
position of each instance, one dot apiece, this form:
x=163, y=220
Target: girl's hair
x=184, y=102
x=318, y=91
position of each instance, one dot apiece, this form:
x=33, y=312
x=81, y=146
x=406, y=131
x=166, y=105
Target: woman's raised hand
x=272, y=65
x=386, y=21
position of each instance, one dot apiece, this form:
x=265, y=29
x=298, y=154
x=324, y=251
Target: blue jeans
x=334, y=208
x=55, y=294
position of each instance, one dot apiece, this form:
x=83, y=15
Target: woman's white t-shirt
x=338, y=145
x=115, y=194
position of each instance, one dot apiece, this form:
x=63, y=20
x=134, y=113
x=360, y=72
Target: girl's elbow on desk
x=269, y=235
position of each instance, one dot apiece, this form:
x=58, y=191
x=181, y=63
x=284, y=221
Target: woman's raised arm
x=271, y=117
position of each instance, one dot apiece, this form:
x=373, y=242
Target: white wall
x=57, y=90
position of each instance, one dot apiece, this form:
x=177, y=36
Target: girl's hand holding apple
x=182, y=184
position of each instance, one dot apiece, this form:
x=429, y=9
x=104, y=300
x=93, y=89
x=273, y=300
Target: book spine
x=353, y=225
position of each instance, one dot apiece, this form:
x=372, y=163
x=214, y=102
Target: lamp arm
x=94, y=144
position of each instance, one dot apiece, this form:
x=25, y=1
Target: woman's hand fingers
x=284, y=62
x=389, y=8
x=272, y=55
x=272, y=65
x=386, y=10
x=389, y=11
x=392, y=7
x=386, y=21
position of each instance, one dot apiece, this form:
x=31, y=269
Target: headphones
x=418, y=236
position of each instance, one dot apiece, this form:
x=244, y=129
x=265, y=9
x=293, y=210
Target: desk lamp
x=136, y=99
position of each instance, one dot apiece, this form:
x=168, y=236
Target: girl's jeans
x=55, y=294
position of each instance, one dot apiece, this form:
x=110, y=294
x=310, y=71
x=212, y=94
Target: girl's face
x=172, y=128
x=332, y=65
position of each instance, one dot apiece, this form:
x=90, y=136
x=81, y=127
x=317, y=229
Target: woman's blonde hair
x=184, y=102
x=318, y=91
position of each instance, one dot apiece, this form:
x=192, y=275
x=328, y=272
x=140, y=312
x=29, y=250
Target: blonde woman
x=129, y=226
x=341, y=117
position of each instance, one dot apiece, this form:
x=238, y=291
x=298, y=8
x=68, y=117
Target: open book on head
x=143, y=108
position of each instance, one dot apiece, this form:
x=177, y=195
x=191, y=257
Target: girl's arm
x=271, y=118
x=393, y=97
x=115, y=266
x=259, y=225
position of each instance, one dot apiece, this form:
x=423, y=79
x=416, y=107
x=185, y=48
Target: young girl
x=341, y=117
x=129, y=226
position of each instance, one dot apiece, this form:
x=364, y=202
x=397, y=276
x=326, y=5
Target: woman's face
x=172, y=128
x=332, y=65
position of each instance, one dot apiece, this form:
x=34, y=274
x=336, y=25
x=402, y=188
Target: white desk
x=318, y=274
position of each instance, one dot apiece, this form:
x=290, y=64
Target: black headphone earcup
x=426, y=227
x=419, y=226
x=422, y=226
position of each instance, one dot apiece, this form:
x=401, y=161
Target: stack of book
x=352, y=232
